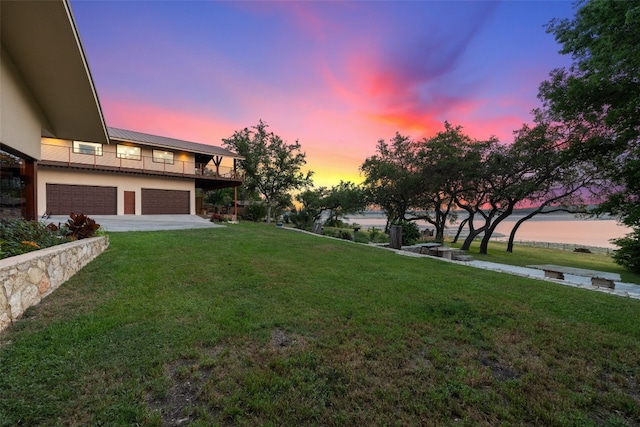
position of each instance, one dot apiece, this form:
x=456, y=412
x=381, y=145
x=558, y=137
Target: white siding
x=20, y=118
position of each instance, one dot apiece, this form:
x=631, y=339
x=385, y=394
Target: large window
x=92, y=148
x=160, y=156
x=128, y=152
x=17, y=183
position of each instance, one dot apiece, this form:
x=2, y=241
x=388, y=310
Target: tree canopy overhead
x=601, y=92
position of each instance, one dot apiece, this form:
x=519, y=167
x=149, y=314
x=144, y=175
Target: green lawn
x=255, y=325
x=527, y=255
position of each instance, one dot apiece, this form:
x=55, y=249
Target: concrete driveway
x=112, y=223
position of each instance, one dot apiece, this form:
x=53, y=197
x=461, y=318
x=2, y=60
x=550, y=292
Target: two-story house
x=135, y=174
x=56, y=154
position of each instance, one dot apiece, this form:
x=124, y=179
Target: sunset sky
x=336, y=75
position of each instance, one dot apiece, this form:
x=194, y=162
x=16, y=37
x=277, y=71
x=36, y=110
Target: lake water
x=552, y=228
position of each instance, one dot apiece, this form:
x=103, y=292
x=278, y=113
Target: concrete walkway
x=623, y=289
x=113, y=223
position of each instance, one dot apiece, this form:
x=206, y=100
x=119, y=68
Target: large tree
x=391, y=178
x=566, y=182
x=601, y=89
x=448, y=165
x=344, y=199
x=272, y=167
x=340, y=200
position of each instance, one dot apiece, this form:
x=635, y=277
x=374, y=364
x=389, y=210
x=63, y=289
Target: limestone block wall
x=28, y=278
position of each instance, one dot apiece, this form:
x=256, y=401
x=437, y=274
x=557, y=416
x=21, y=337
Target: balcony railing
x=60, y=155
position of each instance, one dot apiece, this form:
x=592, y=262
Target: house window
x=128, y=152
x=160, y=156
x=92, y=148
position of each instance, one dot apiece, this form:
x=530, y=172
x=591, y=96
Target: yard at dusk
x=255, y=325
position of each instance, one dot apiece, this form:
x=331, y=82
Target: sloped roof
x=170, y=143
x=43, y=42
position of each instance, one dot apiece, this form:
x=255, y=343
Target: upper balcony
x=179, y=164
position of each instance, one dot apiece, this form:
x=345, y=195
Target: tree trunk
x=484, y=244
x=472, y=235
x=460, y=227
x=512, y=235
x=439, y=223
x=268, y=214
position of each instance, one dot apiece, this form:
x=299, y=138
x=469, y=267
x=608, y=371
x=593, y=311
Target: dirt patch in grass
x=186, y=378
x=499, y=371
x=281, y=340
x=205, y=386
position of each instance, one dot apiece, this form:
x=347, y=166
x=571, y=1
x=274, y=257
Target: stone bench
x=426, y=247
x=442, y=252
x=598, y=278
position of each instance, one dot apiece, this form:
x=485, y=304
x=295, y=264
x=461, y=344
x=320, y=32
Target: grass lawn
x=527, y=255
x=255, y=325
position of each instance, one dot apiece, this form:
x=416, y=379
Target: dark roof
x=170, y=143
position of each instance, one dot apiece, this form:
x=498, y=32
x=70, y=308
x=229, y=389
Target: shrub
x=19, y=236
x=361, y=237
x=330, y=232
x=80, y=227
x=628, y=255
x=345, y=234
x=331, y=222
x=301, y=219
x=374, y=233
x=216, y=217
x=377, y=236
x=256, y=212
x=410, y=232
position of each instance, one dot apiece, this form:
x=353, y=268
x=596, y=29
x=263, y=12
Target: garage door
x=81, y=199
x=165, y=202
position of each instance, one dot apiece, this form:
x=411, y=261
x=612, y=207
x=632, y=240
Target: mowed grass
x=527, y=255
x=253, y=325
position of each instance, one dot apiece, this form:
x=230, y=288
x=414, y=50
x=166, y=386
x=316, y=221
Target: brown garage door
x=164, y=202
x=81, y=199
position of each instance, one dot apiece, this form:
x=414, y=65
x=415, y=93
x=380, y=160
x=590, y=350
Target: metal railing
x=110, y=161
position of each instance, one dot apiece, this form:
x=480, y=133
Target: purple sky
x=335, y=75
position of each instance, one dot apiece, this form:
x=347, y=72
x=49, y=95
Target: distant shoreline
x=557, y=229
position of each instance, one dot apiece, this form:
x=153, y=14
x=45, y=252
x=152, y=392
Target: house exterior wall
x=20, y=118
x=61, y=150
x=123, y=182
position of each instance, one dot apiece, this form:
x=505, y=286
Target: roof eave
x=43, y=41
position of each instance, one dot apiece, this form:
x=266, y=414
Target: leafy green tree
x=391, y=178
x=312, y=207
x=272, y=167
x=628, y=255
x=344, y=199
x=447, y=163
x=508, y=176
x=340, y=200
x=601, y=90
x=566, y=182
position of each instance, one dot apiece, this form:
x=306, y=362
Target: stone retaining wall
x=28, y=278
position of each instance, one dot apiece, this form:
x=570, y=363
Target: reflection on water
x=552, y=228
